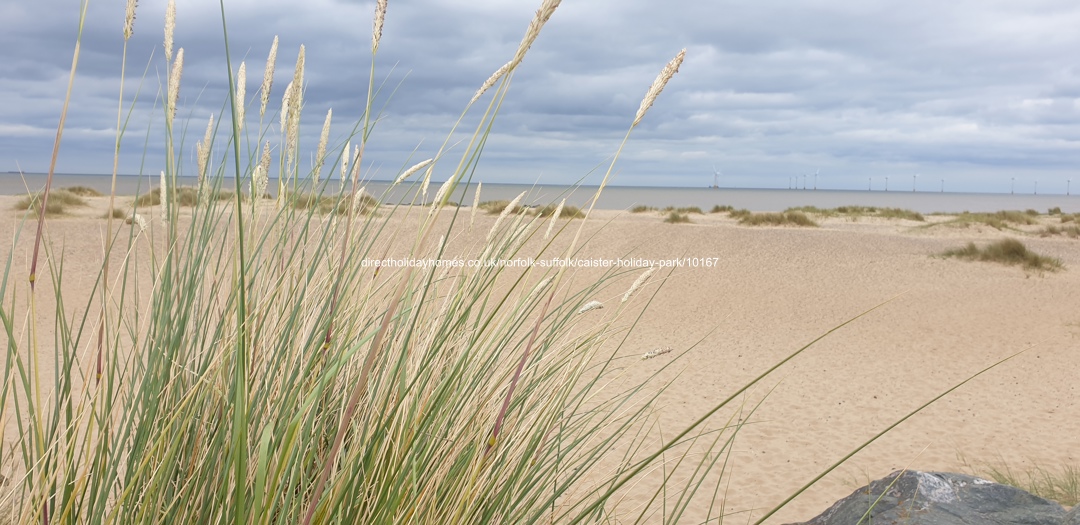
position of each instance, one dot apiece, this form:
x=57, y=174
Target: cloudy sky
x=975, y=92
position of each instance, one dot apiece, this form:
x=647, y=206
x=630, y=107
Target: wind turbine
x=815, y=179
x=715, y=177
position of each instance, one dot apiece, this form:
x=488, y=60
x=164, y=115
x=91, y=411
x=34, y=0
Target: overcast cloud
x=975, y=92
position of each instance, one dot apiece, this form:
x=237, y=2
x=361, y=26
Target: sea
x=617, y=197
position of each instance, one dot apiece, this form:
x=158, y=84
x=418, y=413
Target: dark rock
x=1073, y=517
x=941, y=498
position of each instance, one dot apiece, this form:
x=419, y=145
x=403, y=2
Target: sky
x=969, y=95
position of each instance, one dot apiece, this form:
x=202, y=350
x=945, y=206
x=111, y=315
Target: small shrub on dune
x=59, y=202
x=185, y=196
x=739, y=214
x=683, y=210
x=1006, y=251
x=641, y=208
x=115, y=213
x=567, y=212
x=82, y=191
x=720, y=209
x=676, y=218
x=1056, y=210
x=1031, y=212
x=497, y=207
x=1071, y=231
x=330, y=204
x=787, y=218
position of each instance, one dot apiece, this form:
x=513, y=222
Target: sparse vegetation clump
x=1056, y=210
x=683, y=210
x=739, y=213
x=1006, y=251
x=115, y=213
x=1071, y=231
x=786, y=218
x=60, y=201
x=82, y=191
x=1070, y=217
x=862, y=211
x=1031, y=212
x=1062, y=486
x=641, y=208
x=720, y=209
x=336, y=204
x=675, y=217
x=567, y=212
x=185, y=196
x=999, y=220
x=497, y=207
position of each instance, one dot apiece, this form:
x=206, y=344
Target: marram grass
x=243, y=361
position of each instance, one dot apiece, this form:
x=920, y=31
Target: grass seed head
x=170, y=26
x=591, y=305
x=658, y=85
x=241, y=95
x=554, y=217
x=475, y=204
x=174, y=85
x=345, y=160
x=268, y=78
x=637, y=283
x=377, y=25
x=506, y=212
x=324, y=137
x=129, y=18
x=412, y=171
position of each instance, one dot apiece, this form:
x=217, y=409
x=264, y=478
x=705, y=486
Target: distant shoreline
x=616, y=197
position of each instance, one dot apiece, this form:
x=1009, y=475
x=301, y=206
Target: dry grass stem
x=268, y=78
x=658, y=85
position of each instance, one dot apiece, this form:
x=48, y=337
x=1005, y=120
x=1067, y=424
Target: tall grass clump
x=1061, y=484
x=787, y=218
x=255, y=362
x=675, y=217
x=1006, y=251
x=59, y=202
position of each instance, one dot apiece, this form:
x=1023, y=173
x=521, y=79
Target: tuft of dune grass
x=720, y=209
x=568, y=212
x=677, y=218
x=115, y=213
x=185, y=196
x=787, y=218
x=641, y=208
x=82, y=191
x=59, y=202
x=683, y=210
x=497, y=207
x=1071, y=231
x=862, y=211
x=739, y=213
x=330, y=204
x=999, y=220
x=1006, y=251
x=1061, y=485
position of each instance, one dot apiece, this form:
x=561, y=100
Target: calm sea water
x=623, y=197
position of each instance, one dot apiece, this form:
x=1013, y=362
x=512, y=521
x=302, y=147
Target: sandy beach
x=775, y=289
